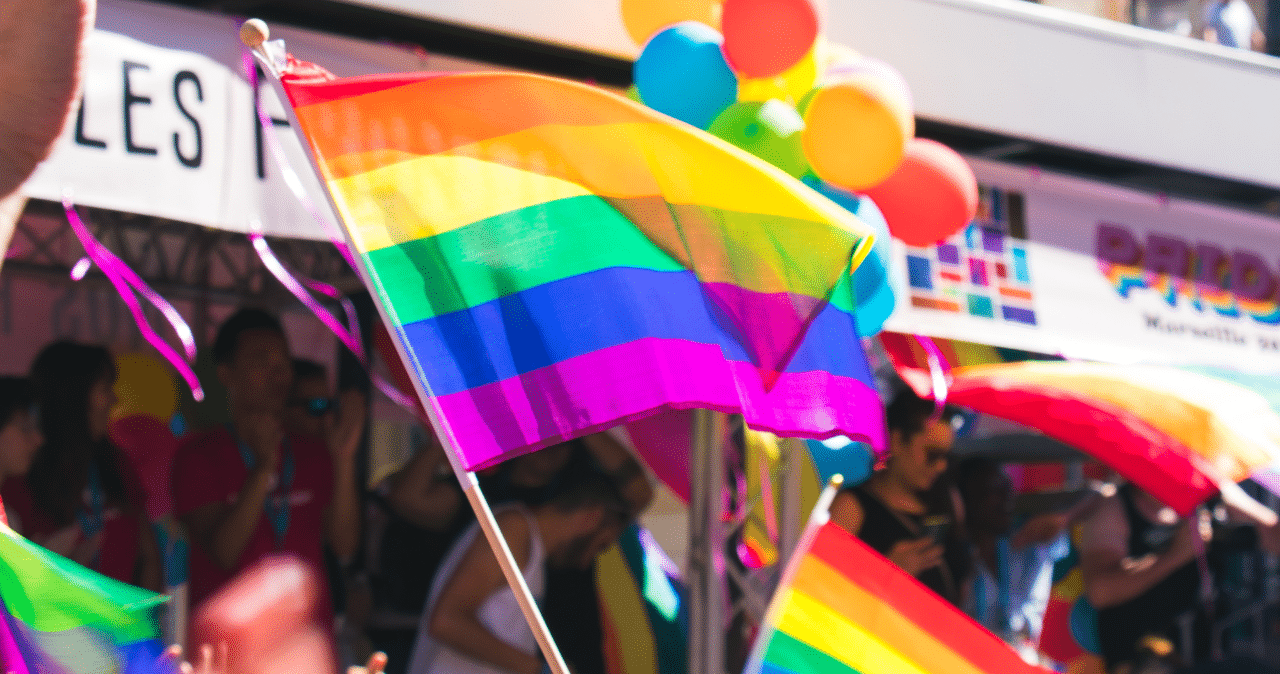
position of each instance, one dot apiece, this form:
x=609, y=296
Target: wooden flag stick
x=254, y=33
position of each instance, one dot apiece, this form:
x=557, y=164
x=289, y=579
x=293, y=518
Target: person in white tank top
x=472, y=623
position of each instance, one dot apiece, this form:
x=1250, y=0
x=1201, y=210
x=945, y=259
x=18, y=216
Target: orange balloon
x=643, y=18
x=931, y=195
x=856, y=129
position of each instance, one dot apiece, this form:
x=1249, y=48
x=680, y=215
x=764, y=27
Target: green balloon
x=770, y=130
x=633, y=92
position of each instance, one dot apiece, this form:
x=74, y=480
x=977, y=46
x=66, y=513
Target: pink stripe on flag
x=630, y=381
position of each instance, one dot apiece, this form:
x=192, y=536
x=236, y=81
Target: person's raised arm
x=422, y=494
x=1111, y=576
x=342, y=435
x=454, y=621
x=224, y=530
x=623, y=469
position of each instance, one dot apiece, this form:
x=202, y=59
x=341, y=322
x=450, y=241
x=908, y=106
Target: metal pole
x=790, y=519
x=489, y=525
x=706, y=544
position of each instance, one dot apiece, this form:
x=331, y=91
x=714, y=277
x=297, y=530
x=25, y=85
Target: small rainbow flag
x=557, y=260
x=57, y=617
x=841, y=608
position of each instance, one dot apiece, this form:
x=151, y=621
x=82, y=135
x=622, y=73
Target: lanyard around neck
x=277, y=504
x=1001, y=578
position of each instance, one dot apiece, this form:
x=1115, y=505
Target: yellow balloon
x=643, y=18
x=144, y=385
x=856, y=130
x=788, y=86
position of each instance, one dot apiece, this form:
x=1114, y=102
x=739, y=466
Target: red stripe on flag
x=906, y=596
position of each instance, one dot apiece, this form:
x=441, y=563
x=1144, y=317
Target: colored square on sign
x=949, y=253
x=992, y=240
x=977, y=272
x=973, y=236
x=1018, y=314
x=980, y=305
x=1020, y=271
x=919, y=272
x=950, y=276
x=1002, y=271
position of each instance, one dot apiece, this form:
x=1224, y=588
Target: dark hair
x=228, y=339
x=591, y=491
x=307, y=369
x=63, y=374
x=908, y=412
x=971, y=469
x=16, y=393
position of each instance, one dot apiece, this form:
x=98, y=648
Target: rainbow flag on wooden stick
x=57, y=617
x=842, y=608
x=557, y=260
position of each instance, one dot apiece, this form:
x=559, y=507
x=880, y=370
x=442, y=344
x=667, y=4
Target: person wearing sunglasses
x=891, y=511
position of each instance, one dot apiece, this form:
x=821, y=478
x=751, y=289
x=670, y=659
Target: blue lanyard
x=277, y=504
x=91, y=519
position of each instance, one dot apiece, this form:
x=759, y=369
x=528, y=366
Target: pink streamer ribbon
x=350, y=337
x=127, y=283
x=938, y=368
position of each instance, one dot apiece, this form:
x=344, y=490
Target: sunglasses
x=315, y=407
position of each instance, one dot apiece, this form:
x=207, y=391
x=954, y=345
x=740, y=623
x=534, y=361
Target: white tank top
x=500, y=613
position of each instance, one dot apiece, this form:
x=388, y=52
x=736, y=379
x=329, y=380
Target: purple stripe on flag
x=623, y=383
x=11, y=657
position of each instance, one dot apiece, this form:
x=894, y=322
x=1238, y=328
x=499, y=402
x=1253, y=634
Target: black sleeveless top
x=1158, y=610
x=883, y=528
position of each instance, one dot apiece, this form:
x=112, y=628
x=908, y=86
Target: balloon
x=643, y=18
x=790, y=86
x=682, y=73
x=768, y=130
x=150, y=445
x=871, y=286
x=144, y=385
x=857, y=125
x=852, y=460
x=633, y=93
x=931, y=195
x=763, y=38
x=1084, y=625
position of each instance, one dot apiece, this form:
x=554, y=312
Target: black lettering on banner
x=82, y=139
x=192, y=161
x=131, y=99
x=257, y=126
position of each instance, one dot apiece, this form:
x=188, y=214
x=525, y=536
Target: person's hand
x=211, y=660
x=377, y=663
x=344, y=428
x=916, y=555
x=264, y=434
x=1198, y=526
x=1040, y=529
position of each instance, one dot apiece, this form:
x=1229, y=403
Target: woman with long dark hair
x=81, y=498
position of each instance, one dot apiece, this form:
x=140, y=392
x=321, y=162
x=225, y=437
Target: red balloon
x=931, y=195
x=763, y=38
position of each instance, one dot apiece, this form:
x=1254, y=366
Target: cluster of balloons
x=141, y=424
x=757, y=74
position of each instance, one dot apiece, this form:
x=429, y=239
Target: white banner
x=166, y=124
x=1066, y=266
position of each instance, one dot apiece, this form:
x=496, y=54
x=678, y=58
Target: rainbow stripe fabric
x=557, y=260
x=57, y=617
x=841, y=608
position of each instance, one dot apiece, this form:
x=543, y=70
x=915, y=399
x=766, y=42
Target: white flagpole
x=254, y=33
x=817, y=518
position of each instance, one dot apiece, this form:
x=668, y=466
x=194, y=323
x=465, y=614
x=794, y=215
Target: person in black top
x=890, y=511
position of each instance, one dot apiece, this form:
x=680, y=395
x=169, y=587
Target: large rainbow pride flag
x=556, y=260
x=842, y=608
x=57, y=617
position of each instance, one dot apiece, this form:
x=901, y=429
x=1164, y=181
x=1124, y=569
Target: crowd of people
x=281, y=479
x=1145, y=568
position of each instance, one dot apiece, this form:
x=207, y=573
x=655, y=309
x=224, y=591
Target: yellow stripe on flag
x=814, y=623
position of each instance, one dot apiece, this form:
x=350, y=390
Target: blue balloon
x=853, y=460
x=682, y=72
x=871, y=285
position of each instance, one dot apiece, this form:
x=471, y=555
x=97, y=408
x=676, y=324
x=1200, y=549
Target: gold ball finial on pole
x=254, y=32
